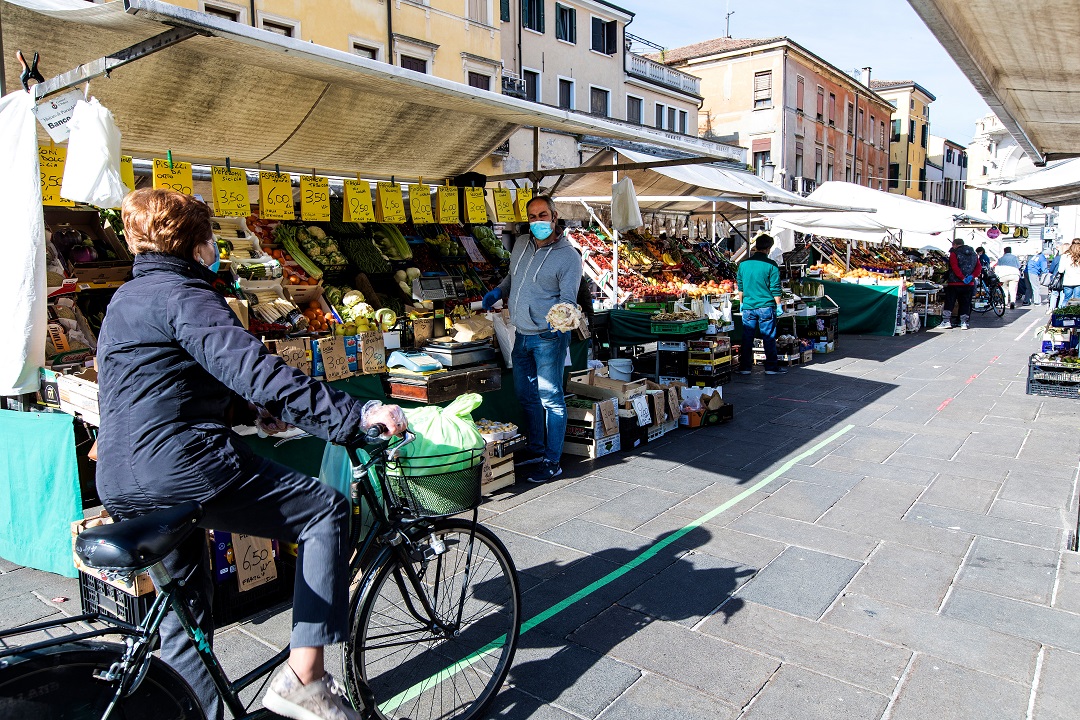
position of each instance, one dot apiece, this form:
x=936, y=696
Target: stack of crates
x=709, y=362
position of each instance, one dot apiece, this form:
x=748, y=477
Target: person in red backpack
x=964, y=267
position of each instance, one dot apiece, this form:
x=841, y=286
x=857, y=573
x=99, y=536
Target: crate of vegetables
x=320, y=316
x=678, y=323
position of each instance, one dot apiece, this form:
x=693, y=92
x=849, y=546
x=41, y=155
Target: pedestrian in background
x=1008, y=272
x=1036, y=268
x=1069, y=267
x=964, y=267
x=759, y=286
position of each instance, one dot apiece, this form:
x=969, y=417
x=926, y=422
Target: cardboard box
x=590, y=384
x=79, y=395
x=496, y=474
x=593, y=449
x=601, y=416
x=691, y=418
x=140, y=584
x=89, y=223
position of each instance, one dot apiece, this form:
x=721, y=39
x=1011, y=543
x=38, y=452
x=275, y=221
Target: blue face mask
x=541, y=229
x=216, y=265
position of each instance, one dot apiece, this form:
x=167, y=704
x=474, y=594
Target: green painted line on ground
x=644, y=556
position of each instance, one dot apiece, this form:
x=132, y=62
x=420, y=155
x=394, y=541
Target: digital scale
x=455, y=354
x=437, y=289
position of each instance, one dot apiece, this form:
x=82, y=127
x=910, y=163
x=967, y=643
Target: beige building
x=910, y=135
x=803, y=120
x=946, y=172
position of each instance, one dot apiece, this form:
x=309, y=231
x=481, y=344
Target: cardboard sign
x=475, y=207
x=471, y=249
x=51, y=162
x=334, y=359
x=609, y=417
x=55, y=113
x=674, y=407
x=295, y=353
x=255, y=564
x=640, y=403
x=230, y=192
x=177, y=178
x=423, y=330
x=358, y=207
x=275, y=196
x=314, y=199
x=656, y=407
x=389, y=205
x=420, y=204
x=521, y=202
x=446, y=206
x=504, y=205
x=127, y=172
x=372, y=353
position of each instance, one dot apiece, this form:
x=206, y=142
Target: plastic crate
x=1065, y=321
x=688, y=327
x=98, y=596
x=650, y=307
x=1053, y=389
x=1052, y=378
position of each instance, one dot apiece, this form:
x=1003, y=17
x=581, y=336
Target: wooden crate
x=594, y=448
x=588, y=384
x=497, y=473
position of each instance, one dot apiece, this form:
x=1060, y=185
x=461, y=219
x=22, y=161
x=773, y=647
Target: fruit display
x=270, y=305
x=285, y=235
x=491, y=245
x=321, y=248
x=404, y=279
x=319, y=320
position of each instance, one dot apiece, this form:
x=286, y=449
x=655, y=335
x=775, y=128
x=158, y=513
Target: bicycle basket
x=437, y=485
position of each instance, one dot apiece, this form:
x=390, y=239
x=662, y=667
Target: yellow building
x=910, y=135
x=453, y=39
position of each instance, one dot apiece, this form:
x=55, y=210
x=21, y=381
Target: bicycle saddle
x=138, y=543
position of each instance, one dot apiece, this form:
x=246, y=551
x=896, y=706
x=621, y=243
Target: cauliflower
x=316, y=232
x=352, y=298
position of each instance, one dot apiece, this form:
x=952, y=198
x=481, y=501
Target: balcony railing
x=513, y=86
x=647, y=69
x=803, y=185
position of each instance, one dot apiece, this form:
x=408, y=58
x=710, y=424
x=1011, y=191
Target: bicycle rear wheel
x=997, y=300
x=420, y=672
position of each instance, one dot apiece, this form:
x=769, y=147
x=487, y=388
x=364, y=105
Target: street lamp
x=768, y=171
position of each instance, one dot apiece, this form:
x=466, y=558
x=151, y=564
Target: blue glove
x=968, y=280
x=491, y=298
x=779, y=310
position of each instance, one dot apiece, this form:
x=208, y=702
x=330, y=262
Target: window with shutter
x=634, y=110
x=817, y=165
x=566, y=94
x=911, y=131
x=532, y=84
x=798, y=159
x=832, y=109
x=479, y=80
x=763, y=89
x=925, y=134
x=565, y=23
x=820, y=103
x=671, y=114
x=413, y=63
x=604, y=36
x=850, y=118
x=683, y=117
x=598, y=101
x=659, y=116
x=532, y=15
x=504, y=10
x=896, y=130
x=800, y=90
x=478, y=11
x=882, y=140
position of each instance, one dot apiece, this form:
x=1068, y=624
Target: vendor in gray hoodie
x=545, y=269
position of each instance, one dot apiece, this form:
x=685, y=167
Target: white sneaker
x=963, y=325
x=323, y=699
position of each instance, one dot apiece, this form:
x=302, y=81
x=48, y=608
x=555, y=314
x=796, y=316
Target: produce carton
x=88, y=222
x=138, y=585
x=79, y=395
x=590, y=384
x=48, y=392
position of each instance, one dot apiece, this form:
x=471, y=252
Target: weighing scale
x=437, y=289
x=453, y=354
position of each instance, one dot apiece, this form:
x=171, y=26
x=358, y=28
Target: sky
x=886, y=35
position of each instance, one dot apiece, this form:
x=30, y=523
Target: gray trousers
x=274, y=502
x=1036, y=288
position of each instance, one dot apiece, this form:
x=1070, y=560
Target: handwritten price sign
x=335, y=361
x=504, y=205
x=420, y=204
x=358, y=207
x=230, y=192
x=127, y=172
x=296, y=354
x=51, y=162
x=275, y=196
x=389, y=205
x=314, y=199
x=177, y=178
x=254, y=561
x=475, y=207
x=447, y=205
x=521, y=202
x=372, y=352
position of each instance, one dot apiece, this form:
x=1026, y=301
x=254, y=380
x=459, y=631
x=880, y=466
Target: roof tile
x=709, y=47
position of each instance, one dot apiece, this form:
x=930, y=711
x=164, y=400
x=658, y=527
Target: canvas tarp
x=1056, y=184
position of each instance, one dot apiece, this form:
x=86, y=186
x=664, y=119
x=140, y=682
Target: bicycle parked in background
x=989, y=294
x=435, y=610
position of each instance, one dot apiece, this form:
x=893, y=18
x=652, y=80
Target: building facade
x=791, y=109
x=946, y=172
x=909, y=135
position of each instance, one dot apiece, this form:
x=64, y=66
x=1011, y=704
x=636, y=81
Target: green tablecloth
x=865, y=309
x=630, y=328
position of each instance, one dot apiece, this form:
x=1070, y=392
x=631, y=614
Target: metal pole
x=712, y=230
x=614, y=249
x=847, y=260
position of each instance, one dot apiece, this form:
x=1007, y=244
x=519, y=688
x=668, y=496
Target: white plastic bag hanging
x=505, y=333
x=625, y=213
x=92, y=170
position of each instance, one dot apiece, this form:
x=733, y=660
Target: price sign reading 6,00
x=177, y=178
x=389, y=206
x=314, y=199
x=358, y=207
x=275, y=196
x=51, y=161
x=230, y=192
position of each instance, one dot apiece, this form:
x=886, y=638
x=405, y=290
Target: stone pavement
x=885, y=537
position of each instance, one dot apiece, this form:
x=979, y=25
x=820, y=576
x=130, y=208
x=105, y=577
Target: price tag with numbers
x=358, y=207
x=372, y=352
x=296, y=354
x=127, y=172
x=51, y=161
x=475, y=207
x=504, y=205
x=314, y=199
x=275, y=196
x=521, y=202
x=447, y=205
x=389, y=205
x=420, y=204
x=230, y=192
x=177, y=178
x=335, y=361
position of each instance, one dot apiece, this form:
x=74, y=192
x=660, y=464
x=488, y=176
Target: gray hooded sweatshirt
x=540, y=278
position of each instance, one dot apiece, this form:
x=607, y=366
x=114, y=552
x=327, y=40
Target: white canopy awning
x=263, y=99
x=1056, y=184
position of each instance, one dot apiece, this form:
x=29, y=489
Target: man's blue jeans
x=759, y=322
x=539, y=362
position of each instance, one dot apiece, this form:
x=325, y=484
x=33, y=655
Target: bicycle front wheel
x=450, y=665
x=997, y=300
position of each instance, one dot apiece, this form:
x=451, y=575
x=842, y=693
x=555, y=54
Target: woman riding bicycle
x=176, y=371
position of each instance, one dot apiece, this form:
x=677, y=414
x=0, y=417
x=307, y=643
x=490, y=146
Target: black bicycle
x=989, y=295
x=435, y=609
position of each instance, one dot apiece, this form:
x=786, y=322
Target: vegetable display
x=391, y=242
x=286, y=236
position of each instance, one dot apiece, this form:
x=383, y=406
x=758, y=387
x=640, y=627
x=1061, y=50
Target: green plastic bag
x=444, y=436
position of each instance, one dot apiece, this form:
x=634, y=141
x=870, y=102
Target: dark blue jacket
x=173, y=363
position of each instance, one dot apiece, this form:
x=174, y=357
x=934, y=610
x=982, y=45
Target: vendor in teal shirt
x=759, y=285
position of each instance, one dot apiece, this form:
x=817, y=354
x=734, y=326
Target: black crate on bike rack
x=98, y=596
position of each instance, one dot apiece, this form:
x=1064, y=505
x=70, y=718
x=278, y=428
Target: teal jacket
x=759, y=282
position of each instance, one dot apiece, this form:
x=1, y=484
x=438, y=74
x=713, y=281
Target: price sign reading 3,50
x=390, y=206
x=51, y=161
x=314, y=199
x=177, y=178
x=504, y=205
x=358, y=207
x=275, y=196
x=230, y=192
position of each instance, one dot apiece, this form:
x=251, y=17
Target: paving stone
x=7, y=566
x=904, y=463
x=906, y=576
x=720, y=542
x=1036, y=488
x=821, y=647
x=717, y=495
x=657, y=698
x=881, y=497
x=683, y=480
x=1037, y=514
x=800, y=500
x=513, y=704
x=633, y=508
x=994, y=527
x=800, y=581
x=1067, y=596
x=732, y=674
x=952, y=638
x=888, y=471
x=1058, y=695
x=795, y=692
x=939, y=689
x=961, y=493
x=596, y=539
x=822, y=476
x=533, y=518
x=982, y=442
x=812, y=536
x=24, y=581
x=601, y=487
x=1022, y=619
x=935, y=445
x=536, y=557
x=689, y=589
x=888, y=528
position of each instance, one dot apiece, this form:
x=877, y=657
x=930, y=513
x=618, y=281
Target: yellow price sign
x=504, y=205
x=358, y=207
x=475, y=207
x=51, y=162
x=127, y=172
x=420, y=204
x=389, y=205
x=314, y=199
x=521, y=203
x=230, y=192
x=177, y=178
x=275, y=196
x=446, y=205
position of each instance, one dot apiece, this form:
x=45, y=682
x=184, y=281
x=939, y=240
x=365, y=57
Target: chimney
x=865, y=79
